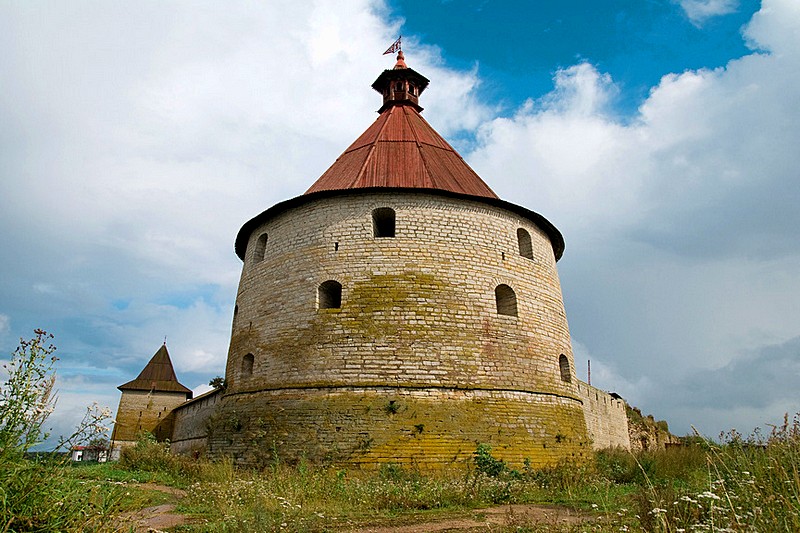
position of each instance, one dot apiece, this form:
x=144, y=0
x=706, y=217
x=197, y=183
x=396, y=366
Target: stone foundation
x=422, y=428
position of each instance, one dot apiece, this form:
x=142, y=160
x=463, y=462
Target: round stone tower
x=399, y=312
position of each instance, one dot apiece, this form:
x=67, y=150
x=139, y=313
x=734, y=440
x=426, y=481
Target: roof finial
x=400, y=60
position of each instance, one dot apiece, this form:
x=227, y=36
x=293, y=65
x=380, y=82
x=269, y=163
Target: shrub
x=149, y=455
x=617, y=465
x=486, y=463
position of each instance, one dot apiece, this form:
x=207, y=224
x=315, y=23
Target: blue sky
x=659, y=136
x=518, y=45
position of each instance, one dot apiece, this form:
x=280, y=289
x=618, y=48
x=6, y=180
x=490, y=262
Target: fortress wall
x=606, y=418
x=192, y=422
x=416, y=308
x=422, y=428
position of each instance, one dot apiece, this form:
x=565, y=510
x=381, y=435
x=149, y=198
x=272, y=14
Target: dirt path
x=161, y=517
x=155, y=518
x=502, y=515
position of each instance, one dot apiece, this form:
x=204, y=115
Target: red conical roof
x=157, y=376
x=401, y=150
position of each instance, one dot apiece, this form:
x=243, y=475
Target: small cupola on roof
x=400, y=150
x=400, y=85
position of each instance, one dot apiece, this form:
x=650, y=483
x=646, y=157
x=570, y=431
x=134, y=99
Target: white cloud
x=202, y=388
x=134, y=143
x=679, y=224
x=775, y=27
x=700, y=11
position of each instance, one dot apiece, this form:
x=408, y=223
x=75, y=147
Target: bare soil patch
x=155, y=518
x=162, y=517
x=501, y=515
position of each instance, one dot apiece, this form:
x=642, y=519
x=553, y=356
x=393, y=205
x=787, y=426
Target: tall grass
x=745, y=484
x=37, y=493
x=737, y=484
x=312, y=498
x=45, y=496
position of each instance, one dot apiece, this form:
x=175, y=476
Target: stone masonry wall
x=143, y=411
x=606, y=418
x=418, y=312
x=422, y=428
x=416, y=308
x=192, y=419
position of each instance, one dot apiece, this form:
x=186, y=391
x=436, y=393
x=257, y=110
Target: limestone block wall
x=190, y=433
x=418, y=313
x=606, y=418
x=415, y=308
x=422, y=428
x=144, y=411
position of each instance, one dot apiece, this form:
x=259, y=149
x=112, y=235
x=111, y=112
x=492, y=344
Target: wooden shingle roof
x=157, y=376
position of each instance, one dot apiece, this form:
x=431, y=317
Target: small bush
x=26, y=397
x=37, y=492
x=617, y=465
x=149, y=455
x=486, y=463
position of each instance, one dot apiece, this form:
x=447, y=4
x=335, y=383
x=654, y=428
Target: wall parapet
x=606, y=417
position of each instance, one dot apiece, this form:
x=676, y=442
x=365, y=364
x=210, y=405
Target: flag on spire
x=395, y=47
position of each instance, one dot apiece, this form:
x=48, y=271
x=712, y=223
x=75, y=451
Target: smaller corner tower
x=147, y=402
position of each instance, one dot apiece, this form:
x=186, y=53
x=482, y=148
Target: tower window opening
x=261, y=247
x=506, y=300
x=563, y=365
x=329, y=295
x=247, y=365
x=525, y=247
x=383, y=222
